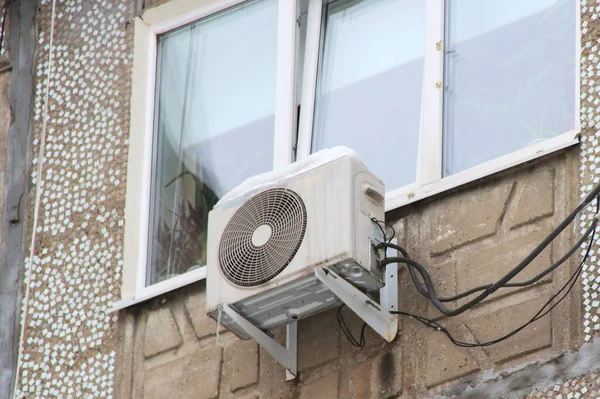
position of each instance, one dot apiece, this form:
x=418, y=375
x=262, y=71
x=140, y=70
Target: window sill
x=412, y=193
x=160, y=288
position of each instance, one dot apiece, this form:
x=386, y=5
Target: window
x=510, y=77
x=369, y=84
x=432, y=94
x=437, y=93
x=213, y=127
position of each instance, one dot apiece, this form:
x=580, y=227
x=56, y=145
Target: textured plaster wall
x=70, y=343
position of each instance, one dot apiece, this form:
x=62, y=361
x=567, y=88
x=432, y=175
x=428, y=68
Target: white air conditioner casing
x=340, y=198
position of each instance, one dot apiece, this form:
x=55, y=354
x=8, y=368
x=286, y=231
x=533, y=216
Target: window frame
x=289, y=140
x=429, y=180
x=154, y=22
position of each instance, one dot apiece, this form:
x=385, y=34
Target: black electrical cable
x=525, y=283
x=398, y=248
x=360, y=343
x=502, y=281
x=385, y=239
x=541, y=313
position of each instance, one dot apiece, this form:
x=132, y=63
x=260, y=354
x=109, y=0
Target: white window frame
x=158, y=20
x=429, y=181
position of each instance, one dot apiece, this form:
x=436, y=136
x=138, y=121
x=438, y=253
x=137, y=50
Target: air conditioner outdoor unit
x=266, y=238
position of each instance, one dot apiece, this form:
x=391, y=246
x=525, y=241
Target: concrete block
x=272, y=384
x=241, y=364
x=380, y=377
x=324, y=387
x=444, y=281
x=537, y=198
x=446, y=361
x=496, y=324
x=467, y=217
x=489, y=264
x=195, y=306
x=194, y=376
x=162, y=333
x=318, y=340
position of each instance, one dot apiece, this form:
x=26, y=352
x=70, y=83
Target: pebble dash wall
x=4, y=40
x=590, y=158
x=2, y=51
x=68, y=338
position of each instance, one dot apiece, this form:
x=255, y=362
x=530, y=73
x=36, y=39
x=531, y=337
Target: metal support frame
x=388, y=294
x=287, y=356
x=378, y=318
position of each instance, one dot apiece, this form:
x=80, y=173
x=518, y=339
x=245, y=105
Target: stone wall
x=467, y=238
x=80, y=125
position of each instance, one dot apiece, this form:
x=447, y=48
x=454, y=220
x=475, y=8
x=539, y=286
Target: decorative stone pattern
x=75, y=273
x=4, y=40
x=584, y=387
x=590, y=161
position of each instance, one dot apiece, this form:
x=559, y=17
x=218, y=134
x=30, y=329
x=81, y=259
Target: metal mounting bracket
x=380, y=320
x=388, y=294
x=287, y=356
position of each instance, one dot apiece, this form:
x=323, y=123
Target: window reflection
x=370, y=82
x=214, y=119
x=509, y=77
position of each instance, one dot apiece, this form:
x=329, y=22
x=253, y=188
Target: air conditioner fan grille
x=262, y=237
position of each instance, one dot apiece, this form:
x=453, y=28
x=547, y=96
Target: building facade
x=98, y=101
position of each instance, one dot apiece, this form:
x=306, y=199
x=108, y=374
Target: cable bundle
x=426, y=288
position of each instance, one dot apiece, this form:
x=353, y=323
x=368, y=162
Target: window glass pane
x=370, y=81
x=509, y=77
x=214, y=119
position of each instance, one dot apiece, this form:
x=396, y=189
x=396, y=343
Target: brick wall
x=466, y=238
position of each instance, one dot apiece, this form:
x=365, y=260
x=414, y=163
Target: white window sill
x=394, y=200
x=160, y=288
x=412, y=193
